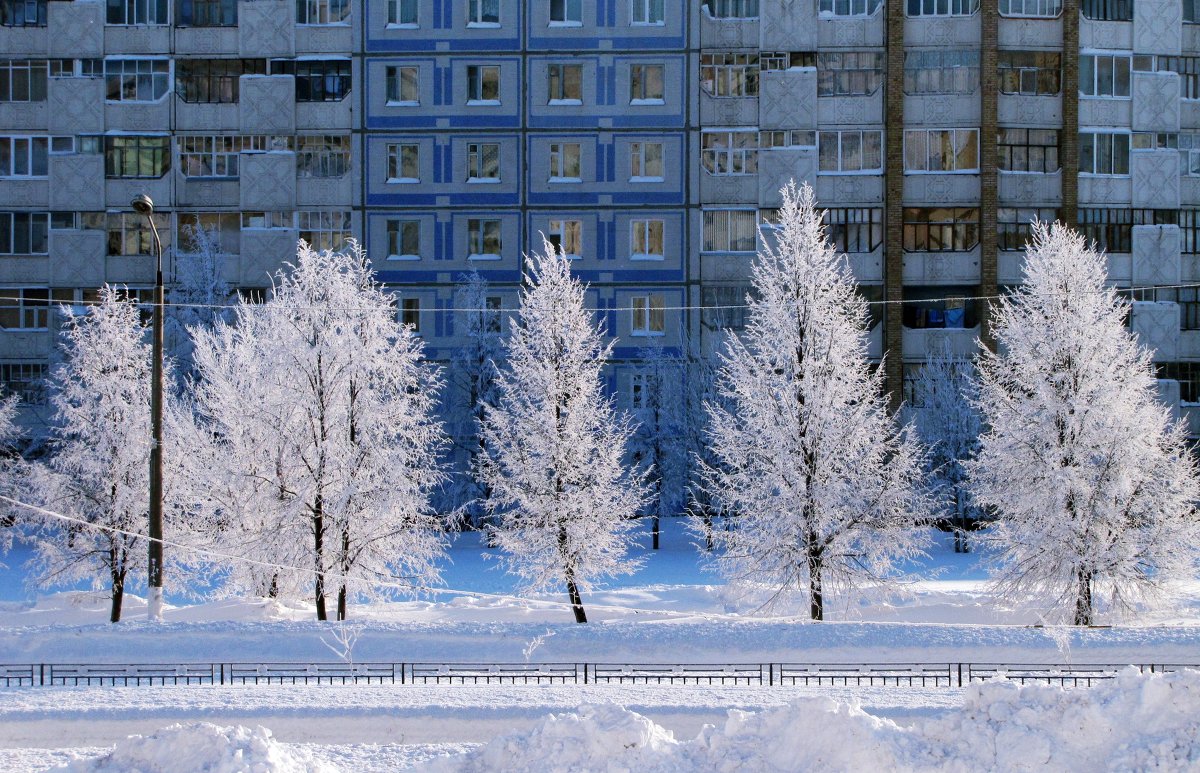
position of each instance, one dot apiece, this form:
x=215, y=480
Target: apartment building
x=648, y=138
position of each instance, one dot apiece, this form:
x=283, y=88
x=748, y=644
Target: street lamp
x=143, y=205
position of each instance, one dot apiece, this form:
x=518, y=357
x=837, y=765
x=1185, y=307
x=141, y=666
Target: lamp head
x=142, y=204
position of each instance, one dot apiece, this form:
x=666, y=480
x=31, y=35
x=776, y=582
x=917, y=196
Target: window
x=646, y=161
x=724, y=306
x=940, y=229
x=402, y=85
x=728, y=153
x=567, y=237
x=483, y=162
x=1103, y=153
x=208, y=13
x=403, y=160
x=137, y=156
x=564, y=162
x=1107, y=10
x=128, y=233
x=565, y=83
x=1189, y=228
x=483, y=13
x=1033, y=73
x=848, y=7
x=24, y=308
x=646, y=240
x=730, y=230
x=483, y=238
x=566, y=13
x=136, y=80
x=1013, y=225
x=24, y=156
x=855, y=229
x=1038, y=9
x=266, y=220
x=1027, y=150
x=1112, y=229
x=726, y=74
x=483, y=84
x=646, y=12
x=1188, y=376
x=941, y=71
x=225, y=228
x=1104, y=75
x=136, y=12
x=1188, y=299
x=492, y=310
x=23, y=80
x=649, y=315
x=1189, y=154
x=942, y=7
x=796, y=138
x=32, y=13
x=646, y=84
x=410, y=314
x=322, y=155
x=322, y=12
x=24, y=233
x=1191, y=11
x=24, y=379
x=403, y=13
x=324, y=230
x=850, y=152
x=941, y=150
x=1188, y=68
x=786, y=60
x=732, y=9
x=404, y=239
x=215, y=156
x=849, y=73
x=213, y=81
x=317, y=80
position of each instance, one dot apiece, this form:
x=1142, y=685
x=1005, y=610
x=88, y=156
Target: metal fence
x=709, y=674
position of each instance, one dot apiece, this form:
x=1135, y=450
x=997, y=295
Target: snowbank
x=202, y=747
x=1135, y=722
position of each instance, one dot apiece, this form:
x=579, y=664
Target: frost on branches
x=823, y=489
x=1089, y=477
x=324, y=442
x=99, y=468
x=565, y=499
x=660, y=443
x=199, y=295
x=948, y=424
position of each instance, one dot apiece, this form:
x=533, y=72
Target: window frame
x=641, y=159
x=557, y=82
x=559, y=158
x=482, y=79
x=478, y=162
x=961, y=228
x=1097, y=76
x=1010, y=153
x=478, y=12
x=1101, y=143
x=1006, y=62
x=569, y=234
x=648, y=315
x=929, y=155
x=478, y=236
x=395, y=10
x=137, y=13
x=736, y=240
x=641, y=13
x=402, y=232
x=643, y=230
x=738, y=157
x=15, y=146
x=398, y=87
x=641, y=81
x=34, y=235
x=324, y=12
x=823, y=137
x=403, y=157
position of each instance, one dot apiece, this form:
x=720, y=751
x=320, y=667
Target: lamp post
x=143, y=205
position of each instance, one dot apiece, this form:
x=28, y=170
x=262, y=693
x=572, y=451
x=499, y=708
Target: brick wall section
x=893, y=272
x=1069, y=138
x=989, y=101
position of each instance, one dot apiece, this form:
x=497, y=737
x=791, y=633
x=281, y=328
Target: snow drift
x=1135, y=722
x=202, y=747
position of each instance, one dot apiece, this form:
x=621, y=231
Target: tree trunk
x=816, y=594
x=656, y=532
x=118, y=592
x=273, y=591
x=319, y=549
x=1083, y=597
x=341, y=602
x=576, y=600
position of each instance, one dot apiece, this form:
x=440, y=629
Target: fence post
x=585, y=675
x=41, y=674
x=960, y=674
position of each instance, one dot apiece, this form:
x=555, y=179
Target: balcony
x=920, y=343
x=727, y=33
x=934, y=268
x=1025, y=110
x=1030, y=188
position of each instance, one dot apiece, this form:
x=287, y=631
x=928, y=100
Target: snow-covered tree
x=324, y=442
x=559, y=484
x=98, y=471
x=660, y=443
x=948, y=424
x=199, y=295
x=823, y=487
x=473, y=385
x=1090, y=479
x=12, y=466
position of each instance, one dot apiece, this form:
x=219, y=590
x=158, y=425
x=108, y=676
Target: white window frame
x=30, y=227
x=643, y=13
x=843, y=140
x=571, y=12
x=477, y=158
x=1189, y=153
x=737, y=157
x=648, y=315
x=323, y=12
x=396, y=12
x=844, y=9
x=396, y=229
x=647, y=231
x=941, y=8
x=478, y=243
x=643, y=158
x=926, y=138
x=731, y=9
x=478, y=76
x=33, y=313
x=1098, y=82
x=559, y=162
x=479, y=10
x=409, y=314
x=727, y=214
x=560, y=99
x=144, y=13
x=1101, y=139
x=24, y=147
x=570, y=236
x=329, y=228
x=407, y=89
x=1041, y=9
x=638, y=76
x=396, y=162
x=116, y=68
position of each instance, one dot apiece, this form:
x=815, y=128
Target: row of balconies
x=265, y=29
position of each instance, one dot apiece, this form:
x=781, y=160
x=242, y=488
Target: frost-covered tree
x=1089, y=477
x=98, y=470
x=948, y=424
x=12, y=466
x=660, y=443
x=823, y=487
x=473, y=382
x=560, y=487
x=324, y=442
x=199, y=295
